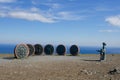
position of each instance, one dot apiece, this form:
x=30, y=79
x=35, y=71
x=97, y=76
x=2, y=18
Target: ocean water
x=8, y=48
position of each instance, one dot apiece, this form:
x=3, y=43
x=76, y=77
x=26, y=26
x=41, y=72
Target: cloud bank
x=49, y=13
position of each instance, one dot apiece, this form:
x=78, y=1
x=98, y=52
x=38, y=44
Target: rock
x=114, y=71
x=105, y=75
x=15, y=72
x=112, y=54
x=86, y=72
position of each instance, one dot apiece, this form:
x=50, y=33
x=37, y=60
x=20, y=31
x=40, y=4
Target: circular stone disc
x=61, y=50
x=31, y=49
x=38, y=49
x=74, y=50
x=21, y=51
x=49, y=49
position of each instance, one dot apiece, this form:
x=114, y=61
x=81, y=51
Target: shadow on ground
x=91, y=60
x=9, y=58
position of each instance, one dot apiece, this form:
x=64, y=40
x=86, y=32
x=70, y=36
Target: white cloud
x=7, y=1
x=27, y=16
x=2, y=14
x=109, y=31
x=68, y=16
x=103, y=9
x=55, y=5
x=114, y=20
x=52, y=5
x=30, y=16
x=33, y=2
x=34, y=9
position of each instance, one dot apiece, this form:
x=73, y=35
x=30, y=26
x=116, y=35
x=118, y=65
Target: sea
x=9, y=49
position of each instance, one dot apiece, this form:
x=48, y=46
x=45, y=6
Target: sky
x=80, y=22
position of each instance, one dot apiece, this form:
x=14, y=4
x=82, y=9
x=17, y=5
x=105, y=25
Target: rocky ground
x=83, y=67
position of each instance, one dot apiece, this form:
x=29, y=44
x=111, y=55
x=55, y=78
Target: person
x=102, y=52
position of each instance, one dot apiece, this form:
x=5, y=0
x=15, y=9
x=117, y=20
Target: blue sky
x=81, y=22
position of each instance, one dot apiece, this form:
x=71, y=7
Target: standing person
x=102, y=52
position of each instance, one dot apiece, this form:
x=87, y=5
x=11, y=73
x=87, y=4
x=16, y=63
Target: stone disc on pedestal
x=61, y=50
x=74, y=50
x=21, y=51
x=38, y=49
x=49, y=49
x=31, y=49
